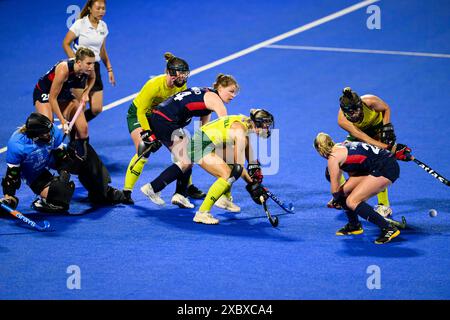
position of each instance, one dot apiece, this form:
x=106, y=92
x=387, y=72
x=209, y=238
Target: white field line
x=332, y=49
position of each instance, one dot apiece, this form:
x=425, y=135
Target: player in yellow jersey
x=155, y=91
x=368, y=119
x=206, y=149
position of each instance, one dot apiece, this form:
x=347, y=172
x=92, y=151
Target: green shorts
x=373, y=132
x=132, y=119
x=200, y=146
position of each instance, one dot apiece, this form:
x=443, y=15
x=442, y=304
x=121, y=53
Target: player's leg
x=215, y=166
x=44, y=108
x=356, y=202
x=383, y=206
x=134, y=169
x=96, y=105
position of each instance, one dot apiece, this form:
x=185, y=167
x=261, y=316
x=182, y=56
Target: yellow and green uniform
x=152, y=94
x=371, y=123
x=213, y=134
x=205, y=140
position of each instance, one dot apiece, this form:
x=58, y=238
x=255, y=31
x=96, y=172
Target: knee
x=185, y=166
x=235, y=173
x=352, y=203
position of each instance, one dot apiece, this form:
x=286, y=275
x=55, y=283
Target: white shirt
x=88, y=36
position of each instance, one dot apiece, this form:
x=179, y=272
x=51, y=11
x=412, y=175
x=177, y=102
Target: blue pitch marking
x=143, y=252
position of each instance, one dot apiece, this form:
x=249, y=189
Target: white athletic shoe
x=205, y=217
x=384, y=211
x=227, y=203
x=181, y=201
x=152, y=195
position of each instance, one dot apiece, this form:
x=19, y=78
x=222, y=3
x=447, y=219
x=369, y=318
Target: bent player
x=169, y=119
x=371, y=170
x=368, y=119
x=206, y=150
x=52, y=93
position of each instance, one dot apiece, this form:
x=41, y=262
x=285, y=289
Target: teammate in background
x=206, y=150
x=90, y=31
x=37, y=147
x=168, y=120
x=52, y=93
x=371, y=170
x=368, y=119
x=155, y=91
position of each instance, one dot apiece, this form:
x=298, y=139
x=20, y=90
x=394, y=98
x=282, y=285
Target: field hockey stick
x=20, y=216
x=140, y=156
x=288, y=208
x=398, y=224
x=74, y=118
x=429, y=170
x=273, y=220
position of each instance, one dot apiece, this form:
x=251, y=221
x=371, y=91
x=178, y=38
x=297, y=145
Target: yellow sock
x=132, y=176
x=217, y=189
x=383, y=198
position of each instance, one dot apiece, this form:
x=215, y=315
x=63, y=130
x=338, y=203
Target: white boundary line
x=332, y=49
x=255, y=47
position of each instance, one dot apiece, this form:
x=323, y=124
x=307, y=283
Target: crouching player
x=205, y=149
x=371, y=170
x=37, y=147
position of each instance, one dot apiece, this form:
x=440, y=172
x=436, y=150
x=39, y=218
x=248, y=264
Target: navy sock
x=166, y=177
x=352, y=217
x=89, y=115
x=366, y=211
x=182, y=183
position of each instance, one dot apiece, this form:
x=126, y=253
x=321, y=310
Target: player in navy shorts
x=370, y=170
x=167, y=122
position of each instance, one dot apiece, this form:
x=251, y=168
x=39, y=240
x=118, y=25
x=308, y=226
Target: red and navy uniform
x=42, y=90
x=175, y=113
x=365, y=159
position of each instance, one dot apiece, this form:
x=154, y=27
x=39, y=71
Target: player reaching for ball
x=368, y=119
x=206, y=150
x=371, y=170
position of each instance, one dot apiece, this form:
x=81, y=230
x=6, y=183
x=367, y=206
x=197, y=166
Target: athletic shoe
x=195, y=193
x=41, y=205
x=383, y=210
x=152, y=195
x=349, y=229
x=127, y=199
x=227, y=203
x=387, y=234
x=181, y=201
x=205, y=217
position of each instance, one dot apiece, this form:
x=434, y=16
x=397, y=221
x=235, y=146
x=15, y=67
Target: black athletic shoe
x=350, y=229
x=127, y=197
x=195, y=193
x=387, y=234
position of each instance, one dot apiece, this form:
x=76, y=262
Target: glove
x=256, y=190
x=387, y=134
x=254, y=171
x=339, y=201
x=149, y=138
x=402, y=152
x=10, y=201
x=65, y=128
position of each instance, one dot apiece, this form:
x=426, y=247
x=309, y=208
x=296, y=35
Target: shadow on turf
x=230, y=224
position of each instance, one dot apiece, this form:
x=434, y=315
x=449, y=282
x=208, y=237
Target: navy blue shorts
x=165, y=130
x=42, y=97
x=388, y=168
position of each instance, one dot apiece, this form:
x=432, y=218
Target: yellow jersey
x=153, y=93
x=218, y=130
x=371, y=118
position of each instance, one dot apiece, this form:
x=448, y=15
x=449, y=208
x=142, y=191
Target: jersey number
x=44, y=96
x=181, y=95
x=366, y=146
